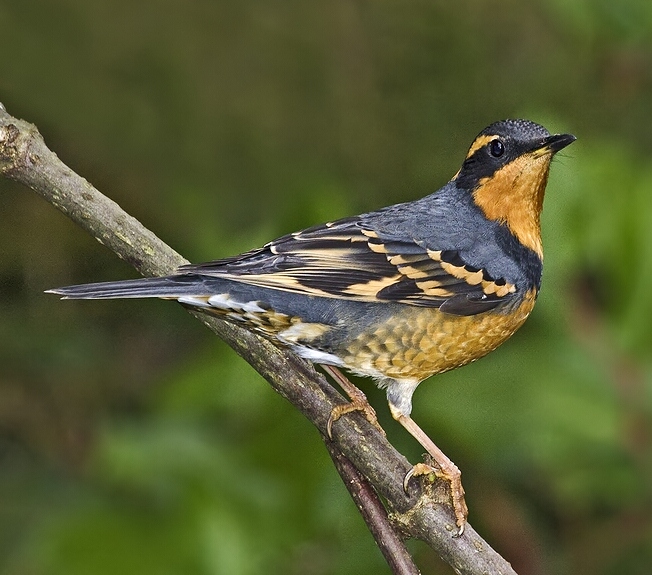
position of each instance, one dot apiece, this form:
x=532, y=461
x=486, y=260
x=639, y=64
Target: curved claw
x=406, y=479
x=457, y=491
x=340, y=410
x=329, y=425
x=419, y=469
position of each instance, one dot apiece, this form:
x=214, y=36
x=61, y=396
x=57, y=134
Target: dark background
x=132, y=441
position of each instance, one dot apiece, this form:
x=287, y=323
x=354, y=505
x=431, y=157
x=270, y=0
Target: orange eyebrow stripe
x=478, y=143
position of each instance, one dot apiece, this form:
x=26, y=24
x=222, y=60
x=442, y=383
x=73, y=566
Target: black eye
x=497, y=148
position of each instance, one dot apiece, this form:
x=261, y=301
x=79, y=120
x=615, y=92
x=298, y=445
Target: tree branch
x=374, y=513
x=423, y=513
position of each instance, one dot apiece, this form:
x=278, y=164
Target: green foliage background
x=132, y=441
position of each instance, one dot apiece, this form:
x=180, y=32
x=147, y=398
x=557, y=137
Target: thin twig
x=25, y=158
x=374, y=514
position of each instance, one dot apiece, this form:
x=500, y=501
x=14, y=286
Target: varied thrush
x=397, y=294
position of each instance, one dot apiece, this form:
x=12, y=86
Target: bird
x=398, y=294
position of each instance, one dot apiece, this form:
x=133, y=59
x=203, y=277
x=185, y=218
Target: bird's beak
x=552, y=144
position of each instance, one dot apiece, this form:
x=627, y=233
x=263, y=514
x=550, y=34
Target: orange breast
x=421, y=342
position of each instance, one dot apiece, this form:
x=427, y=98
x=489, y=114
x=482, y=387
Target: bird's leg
x=358, y=401
x=445, y=470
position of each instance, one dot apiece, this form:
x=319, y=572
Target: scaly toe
x=460, y=509
x=340, y=410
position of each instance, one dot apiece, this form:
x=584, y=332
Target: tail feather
x=163, y=287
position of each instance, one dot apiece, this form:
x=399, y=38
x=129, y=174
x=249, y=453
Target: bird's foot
x=451, y=474
x=358, y=402
x=363, y=406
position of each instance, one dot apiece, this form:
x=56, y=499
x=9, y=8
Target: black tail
x=171, y=287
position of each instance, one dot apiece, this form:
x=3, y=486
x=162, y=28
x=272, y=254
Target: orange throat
x=513, y=196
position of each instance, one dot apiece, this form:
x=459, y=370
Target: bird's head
x=506, y=171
